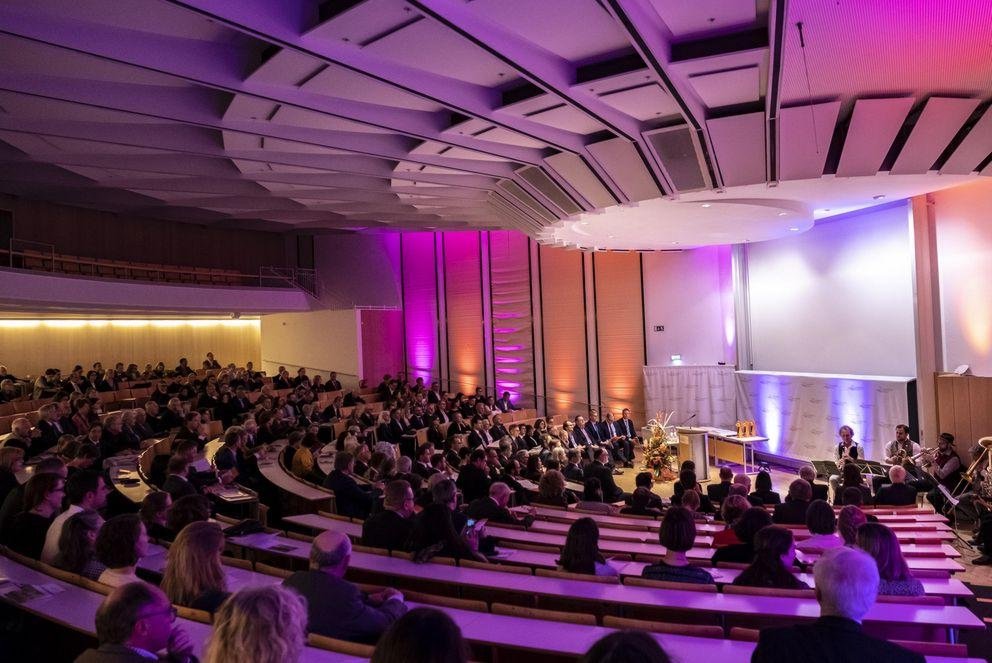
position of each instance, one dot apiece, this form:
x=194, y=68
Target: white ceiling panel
x=937, y=125
x=803, y=139
x=625, y=167
x=568, y=118
x=574, y=170
x=645, y=102
x=975, y=147
x=873, y=127
x=727, y=88
x=739, y=143
x=686, y=18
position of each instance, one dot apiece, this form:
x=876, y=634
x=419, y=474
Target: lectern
x=694, y=446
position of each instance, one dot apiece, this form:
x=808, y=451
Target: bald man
x=897, y=493
x=494, y=507
x=336, y=607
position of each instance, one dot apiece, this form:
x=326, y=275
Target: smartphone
x=470, y=523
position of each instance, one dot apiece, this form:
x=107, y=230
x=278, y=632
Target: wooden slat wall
x=29, y=351
x=420, y=305
x=513, y=346
x=566, y=370
x=463, y=290
x=964, y=409
x=620, y=331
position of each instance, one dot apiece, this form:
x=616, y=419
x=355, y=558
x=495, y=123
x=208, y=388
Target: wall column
x=927, y=321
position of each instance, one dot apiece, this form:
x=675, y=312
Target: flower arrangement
x=658, y=455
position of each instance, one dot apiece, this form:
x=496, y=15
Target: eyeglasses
x=171, y=611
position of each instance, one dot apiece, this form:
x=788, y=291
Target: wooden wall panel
x=620, y=332
x=95, y=234
x=964, y=409
x=420, y=309
x=30, y=350
x=381, y=346
x=513, y=341
x=463, y=292
x=566, y=369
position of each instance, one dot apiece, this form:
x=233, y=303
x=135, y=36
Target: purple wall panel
x=420, y=309
x=513, y=350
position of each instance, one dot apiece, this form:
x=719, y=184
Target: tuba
x=983, y=488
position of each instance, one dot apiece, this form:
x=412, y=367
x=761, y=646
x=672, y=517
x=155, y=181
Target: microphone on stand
x=688, y=419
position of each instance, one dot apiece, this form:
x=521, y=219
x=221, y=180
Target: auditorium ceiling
x=626, y=124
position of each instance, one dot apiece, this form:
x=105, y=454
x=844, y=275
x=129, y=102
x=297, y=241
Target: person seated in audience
x=113, y=441
x=132, y=436
x=120, y=545
x=154, y=513
x=819, y=490
x=76, y=552
x=640, y=503
x=11, y=462
x=581, y=551
x=730, y=511
x=133, y=624
x=192, y=429
x=351, y=498
x=551, y=490
x=793, y=510
x=186, y=510
x=26, y=532
x=646, y=480
x=391, y=527
x=21, y=435
x=592, y=498
x=692, y=501
x=572, y=468
x=898, y=492
x=677, y=534
x=363, y=461
x=422, y=635
x=687, y=481
x=895, y=578
x=13, y=504
x=774, y=555
x=435, y=534
x=174, y=416
x=84, y=491
x=822, y=524
x=748, y=525
x=598, y=469
x=494, y=507
x=473, y=478
x=849, y=520
x=423, y=465
x=259, y=624
x=763, y=489
x=81, y=416
x=194, y=576
x=153, y=418
x=49, y=429
x=626, y=647
x=718, y=492
x=846, y=586
x=335, y=607
x=183, y=369
x=177, y=483
x=852, y=478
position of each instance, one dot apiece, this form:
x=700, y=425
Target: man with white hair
x=846, y=586
x=494, y=507
x=898, y=492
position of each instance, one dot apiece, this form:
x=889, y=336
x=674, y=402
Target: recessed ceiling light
x=878, y=197
x=783, y=213
x=706, y=204
x=794, y=229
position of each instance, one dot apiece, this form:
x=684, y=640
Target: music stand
x=952, y=504
x=824, y=468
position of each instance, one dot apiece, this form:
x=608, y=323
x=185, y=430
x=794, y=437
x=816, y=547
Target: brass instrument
x=983, y=488
x=925, y=451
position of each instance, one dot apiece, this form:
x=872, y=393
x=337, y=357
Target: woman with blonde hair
x=259, y=624
x=194, y=576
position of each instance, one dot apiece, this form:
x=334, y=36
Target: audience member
x=76, y=551
x=391, y=527
x=581, y=551
x=626, y=647
x=748, y=525
x=473, y=478
x=551, y=490
x=154, y=512
x=335, y=607
x=846, y=587
x=895, y=578
x=120, y=545
x=677, y=534
x=26, y=533
x=177, y=483
x=494, y=507
x=717, y=492
x=11, y=462
x=730, y=511
x=640, y=501
x=592, y=498
x=194, y=576
x=352, y=500
x=897, y=493
x=852, y=478
x=598, y=469
x=186, y=510
x=135, y=622
x=793, y=510
x=259, y=624
x=763, y=489
x=435, y=534
x=818, y=490
x=423, y=635
x=687, y=482
x=85, y=491
x=822, y=524
x=774, y=555
x=14, y=502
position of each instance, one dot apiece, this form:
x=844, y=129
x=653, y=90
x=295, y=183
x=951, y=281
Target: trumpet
x=926, y=451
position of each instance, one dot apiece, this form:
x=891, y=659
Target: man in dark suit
x=819, y=490
x=583, y=438
x=599, y=470
x=494, y=508
x=391, y=527
x=335, y=607
x=793, y=510
x=350, y=498
x=897, y=493
x=177, y=483
x=498, y=430
x=645, y=480
x=134, y=620
x=423, y=465
x=504, y=404
x=572, y=470
x=434, y=395
x=473, y=479
x=49, y=427
x=612, y=438
x=718, y=492
x=846, y=585
x=457, y=426
x=628, y=435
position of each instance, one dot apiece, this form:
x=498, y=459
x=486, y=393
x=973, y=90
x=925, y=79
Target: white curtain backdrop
x=706, y=391
x=800, y=413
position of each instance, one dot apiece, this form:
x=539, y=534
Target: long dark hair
x=581, y=551
x=770, y=543
x=76, y=549
x=423, y=635
x=435, y=529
